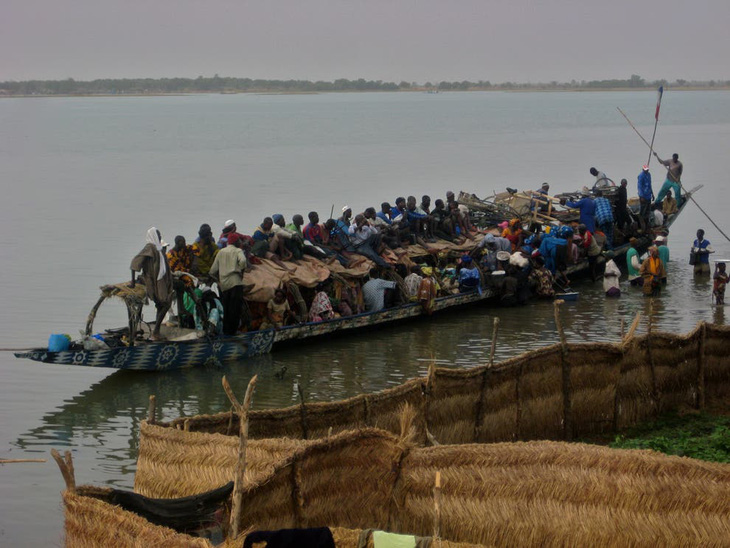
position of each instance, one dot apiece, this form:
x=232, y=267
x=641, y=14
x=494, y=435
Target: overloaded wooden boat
x=188, y=348
x=506, y=494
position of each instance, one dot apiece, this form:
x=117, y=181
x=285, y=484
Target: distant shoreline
x=413, y=90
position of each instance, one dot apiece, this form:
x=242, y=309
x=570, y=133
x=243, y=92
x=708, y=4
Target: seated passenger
x=321, y=308
x=469, y=278
x=344, y=221
x=514, y=234
x=541, y=279
x=443, y=222
x=364, y=240
x=417, y=220
x=377, y=293
x=266, y=244
x=292, y=241
x=413, y=283
x=387, y=231
x=228, y=228
x=278, y=312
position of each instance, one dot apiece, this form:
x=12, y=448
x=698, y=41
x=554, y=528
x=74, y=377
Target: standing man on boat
x=673, y=180
x=152, y=262
x=622, y=201
x=646, y=194
x=604, y=217
x=227, y=269
x=601, y=179
x=587, y=208
x=205, y=249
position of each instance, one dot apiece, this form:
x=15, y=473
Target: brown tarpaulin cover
x=267, y=276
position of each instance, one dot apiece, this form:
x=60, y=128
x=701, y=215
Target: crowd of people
x=515, y=262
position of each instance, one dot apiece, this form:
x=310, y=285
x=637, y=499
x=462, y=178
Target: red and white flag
x=659, y=102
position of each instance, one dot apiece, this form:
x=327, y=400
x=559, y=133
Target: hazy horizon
x=422, y=41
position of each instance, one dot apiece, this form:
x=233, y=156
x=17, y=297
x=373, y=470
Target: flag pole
x=656, y=122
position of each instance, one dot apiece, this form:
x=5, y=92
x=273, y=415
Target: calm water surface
x=83, y=179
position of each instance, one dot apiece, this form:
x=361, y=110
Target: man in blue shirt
x=701, y=249
x=604, y=217
x=646, y=194
x=587, y=208
x=385, y=213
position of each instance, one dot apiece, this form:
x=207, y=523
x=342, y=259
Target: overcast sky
x=391, y=40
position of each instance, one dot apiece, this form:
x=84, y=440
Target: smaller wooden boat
x=118, y=349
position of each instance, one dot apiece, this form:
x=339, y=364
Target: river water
x=83, y=179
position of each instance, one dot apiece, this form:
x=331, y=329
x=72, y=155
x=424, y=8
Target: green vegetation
x=218, y=84
x=699, y=436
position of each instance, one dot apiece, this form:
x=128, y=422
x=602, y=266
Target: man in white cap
x=228, y=228
x=344, y=221
x=661, y=243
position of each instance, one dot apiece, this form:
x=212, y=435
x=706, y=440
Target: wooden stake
x=12, y=461
x=565, y=375
x=437, y=506
x=558, y=323
x=701, y=367
x=632, y=329
x=242, y=411
x=650, y=355
x=495, y=329
x=151, y=410
x=67, y=469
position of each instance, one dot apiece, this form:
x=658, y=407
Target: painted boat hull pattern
x=162, y=356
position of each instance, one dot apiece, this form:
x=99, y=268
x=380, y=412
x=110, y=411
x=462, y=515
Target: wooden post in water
x=495, y=329
x=565, y=374
x=242, y=411
x=701, y=366
x=437, y=506
x=302, y=412
x=650, y=356
x=151, y=410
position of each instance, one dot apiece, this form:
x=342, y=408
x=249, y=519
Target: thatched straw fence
x=506, y=494
x=561, y=392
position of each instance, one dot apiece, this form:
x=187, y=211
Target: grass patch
x=699, y=436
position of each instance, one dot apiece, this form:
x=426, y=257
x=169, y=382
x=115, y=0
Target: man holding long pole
x=673, y=180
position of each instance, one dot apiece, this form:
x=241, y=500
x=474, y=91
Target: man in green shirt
x=633, y=264
x=660, y=243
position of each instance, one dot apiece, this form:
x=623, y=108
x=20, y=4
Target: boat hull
x=162, y=356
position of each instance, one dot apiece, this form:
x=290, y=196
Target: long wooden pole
x=678, y=182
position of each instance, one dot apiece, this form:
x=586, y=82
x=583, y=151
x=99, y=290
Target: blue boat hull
x=162, y=356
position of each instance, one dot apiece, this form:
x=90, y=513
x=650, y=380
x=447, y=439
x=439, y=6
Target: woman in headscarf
x=652, y=270
x=152, y=262
x=513, y=232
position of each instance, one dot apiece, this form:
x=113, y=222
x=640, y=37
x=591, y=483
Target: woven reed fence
x=505, y=494
x=559, y=392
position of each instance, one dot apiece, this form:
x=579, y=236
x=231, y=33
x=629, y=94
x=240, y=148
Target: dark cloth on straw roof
x=292, y=538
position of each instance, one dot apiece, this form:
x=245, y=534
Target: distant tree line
x=218, y=84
